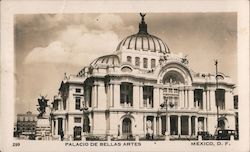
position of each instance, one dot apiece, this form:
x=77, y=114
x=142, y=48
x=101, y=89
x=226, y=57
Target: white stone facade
x=122, y=94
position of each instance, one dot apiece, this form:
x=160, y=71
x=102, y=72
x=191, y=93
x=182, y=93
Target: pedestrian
x=62, y=135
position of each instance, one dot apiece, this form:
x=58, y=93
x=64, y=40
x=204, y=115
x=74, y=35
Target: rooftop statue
x=42, y=106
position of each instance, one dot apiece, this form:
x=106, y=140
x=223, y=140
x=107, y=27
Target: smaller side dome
x=107, y=60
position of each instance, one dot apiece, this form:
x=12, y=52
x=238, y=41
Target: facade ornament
x=143, y=25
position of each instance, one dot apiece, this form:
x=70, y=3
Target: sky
x=49, y=45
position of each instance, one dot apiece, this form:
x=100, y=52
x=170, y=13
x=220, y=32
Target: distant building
x=15, y=130
x=26, y=124
x=120, y=94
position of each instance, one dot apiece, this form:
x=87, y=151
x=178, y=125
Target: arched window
x=145, y=63
x=152, y=63
x=173, y=77
x=129, y=59
x=126, y=126
x=137, y=61
x=126, y=69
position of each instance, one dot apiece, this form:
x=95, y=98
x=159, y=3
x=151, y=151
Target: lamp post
x=216, y=94
x=166, y=104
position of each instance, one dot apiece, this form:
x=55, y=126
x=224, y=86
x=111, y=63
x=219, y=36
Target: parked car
x=205, y=135
x=225, y=134
x=32, y=137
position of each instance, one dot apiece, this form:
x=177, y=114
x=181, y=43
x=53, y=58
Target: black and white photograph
x=103, y=79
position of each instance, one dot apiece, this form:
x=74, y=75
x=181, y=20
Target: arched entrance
x=221, y=124
x=126, y=127
x=77, y=133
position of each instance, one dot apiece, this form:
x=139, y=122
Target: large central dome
x=143, y=41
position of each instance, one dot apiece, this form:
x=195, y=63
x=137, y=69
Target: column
x=189, y=125
x=160, y=125
x=186, y=99
x=168, y=127
x=154, y=122
x=59, y=105
x=183, y=99
x=92, y=123
x=205, y=124
x=144, y=124
x=112, y=95
x=141, y=96
x=204, y=98
x=56, y=126
x=101, y=102
x=191, y=98
x=212, y=100
x=66, y=126
x=156, y=98
x=196, y=125
x=161, y=100
x=229, y=103
x=108, y=101
x=208, y=100
x=136, y=96
x=181, y=93
x=179, y=125
x=93, y=95
x=52, y=127
x=96, y=96
x=116, y=95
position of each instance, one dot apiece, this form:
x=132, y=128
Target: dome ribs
x=143, y=41
x=153, y=42
x=131, y=37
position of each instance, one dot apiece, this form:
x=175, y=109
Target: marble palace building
x=142, y=88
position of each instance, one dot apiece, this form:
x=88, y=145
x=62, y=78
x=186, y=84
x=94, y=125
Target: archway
x=126, y=126
x=173, y=78
x=221, y=124
x=77, y=133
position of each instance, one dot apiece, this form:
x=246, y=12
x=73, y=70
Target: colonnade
x=194, y=124
x=185, y=97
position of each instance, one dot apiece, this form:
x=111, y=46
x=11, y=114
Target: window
x=220, y=98
x=55, y=104
x=129, y=59
x=152, y=63
x=137, y=61
x=198, y=98
x=78, y=102
x=148, y=96
x=126, y=94
x=77, y=119
x=78, y=90
x=145, y=63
